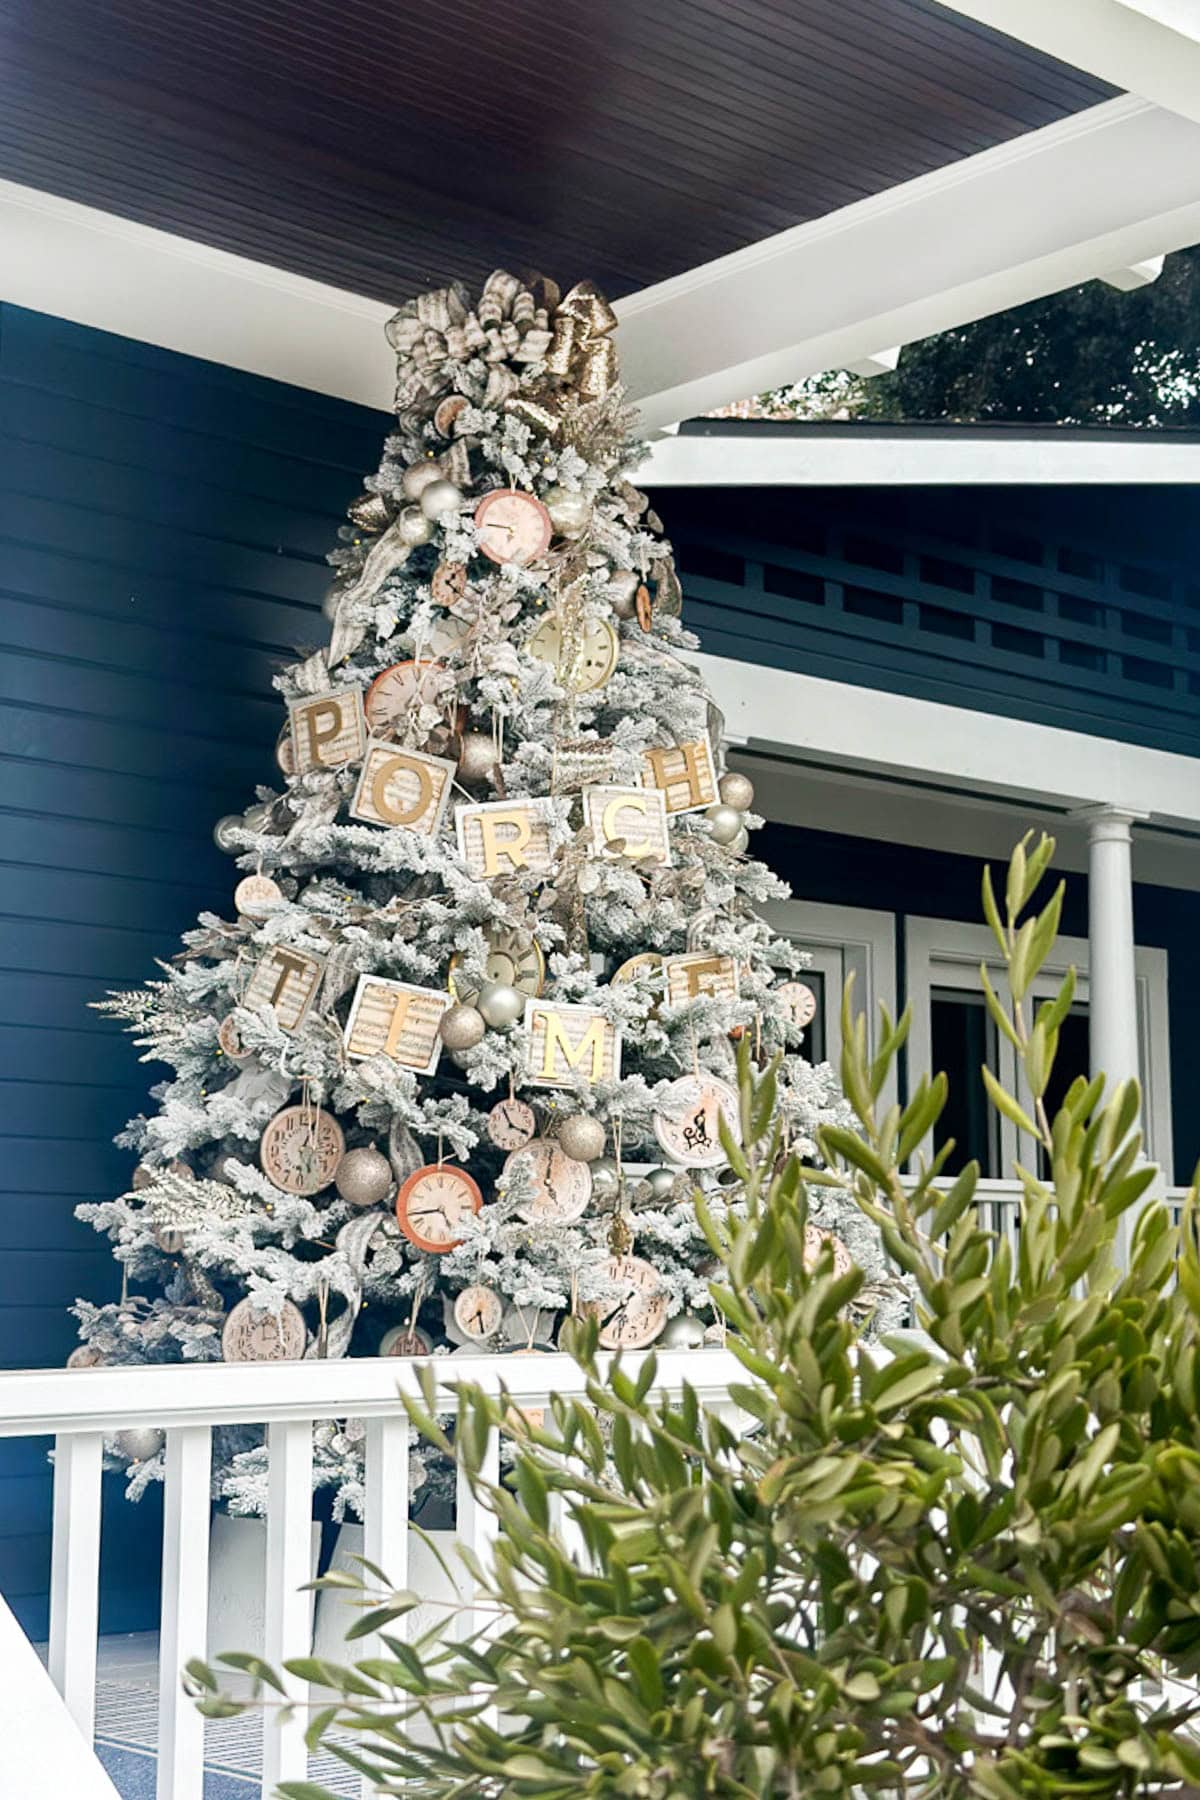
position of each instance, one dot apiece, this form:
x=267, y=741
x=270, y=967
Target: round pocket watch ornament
x=687, y=1120
x=301, y=1149
x=514, y=959
x=559, y=1187
x=448, y=583
x=798, y=1003
x=446, y=412
x=594, y=658
x=397, y=690
x=404, y=1340
x=639, y=1316
x=434, y=1204
x=815, y=1241
x=252, y=1335
x=229, y=1041
x=512, y=1124
x=513, y=527
x=255, y=896
x=478, y=1312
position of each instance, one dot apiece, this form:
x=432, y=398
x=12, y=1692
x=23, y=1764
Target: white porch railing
x=80, y=1407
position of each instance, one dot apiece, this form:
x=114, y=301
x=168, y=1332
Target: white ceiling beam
x=1135, y=275
x=1148, y=47
x=879, y=362
x=1109, y=187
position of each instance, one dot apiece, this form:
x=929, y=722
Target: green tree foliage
x=1087, y=356
x=799, y=1607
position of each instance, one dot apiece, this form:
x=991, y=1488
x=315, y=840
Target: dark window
x=1016, y=546
x=815, y=1037
x=1145, y=581
x=1154, y=631
x=1080, y=656
x=963, y=1039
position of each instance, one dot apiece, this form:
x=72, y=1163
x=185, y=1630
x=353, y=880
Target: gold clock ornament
x=433, y=1205
x=478, y=1312
x=397, y=690
x=512, y=1124
x=798, y=1003
x=229, y=1041
x=582, y=664
x=687, y=1120
x=513, y=527
x=301, y=1149
x=251, y=1334
x=514, y=958
x=560, y=1187
x=639, y=1316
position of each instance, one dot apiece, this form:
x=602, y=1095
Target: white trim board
x=964, y=751
x=807, y=458
x=1108, y=187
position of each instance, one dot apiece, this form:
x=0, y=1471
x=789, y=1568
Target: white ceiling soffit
x=1150, y=47
x=1107, y=188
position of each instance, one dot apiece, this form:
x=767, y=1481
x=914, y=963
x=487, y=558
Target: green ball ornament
x=736, y=790
x=724, y=823
x=502, y=1006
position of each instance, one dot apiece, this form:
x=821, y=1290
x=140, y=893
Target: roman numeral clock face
x=433, y=1206
x=635, y=1318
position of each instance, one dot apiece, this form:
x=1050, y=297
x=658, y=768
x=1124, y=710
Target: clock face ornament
x=251, y=1335
x=798, y=1001
x=512, y=1124
x=448, y=583
x=433, y=1205
x=815, y=1241
x=513, y=527
x=404, y=1340
x=393, y=695
x=687, y=1120
x=561, y=1187
x=514, y=957
x=595, y=655
x=301, y=1149
x=634, y=1320
x=478, y=1312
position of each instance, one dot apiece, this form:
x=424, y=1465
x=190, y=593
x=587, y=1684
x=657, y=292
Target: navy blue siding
x=163, y=525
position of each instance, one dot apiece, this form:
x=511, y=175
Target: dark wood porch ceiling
x=388, y=147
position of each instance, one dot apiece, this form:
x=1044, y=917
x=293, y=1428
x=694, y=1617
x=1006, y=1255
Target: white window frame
x=943, y=953
x=842, y=940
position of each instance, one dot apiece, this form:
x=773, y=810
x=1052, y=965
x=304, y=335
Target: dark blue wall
x=163, y=524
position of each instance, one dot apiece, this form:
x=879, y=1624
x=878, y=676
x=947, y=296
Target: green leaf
x=1004, y=1103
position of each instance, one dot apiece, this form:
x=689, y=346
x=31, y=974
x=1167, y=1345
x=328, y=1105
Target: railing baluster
x=476, y=1528
x=184, y=1610
x=289, y=1566
x=385, y=1527
x=75, y=1573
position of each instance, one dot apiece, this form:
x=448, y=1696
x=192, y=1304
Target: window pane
x=963, y=1039
x=815, y=1036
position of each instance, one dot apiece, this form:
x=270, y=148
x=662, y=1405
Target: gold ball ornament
x=724, y=823
x=223, y=832
x=364, y=1176
x=502, y=1006
x=736, y=790
x=420, y=475
x=582, y=1137
x=476, y=757
x=140, y=1442
x=461, y=1027
x=441, y=496
x=415, y=528
x=570, y=511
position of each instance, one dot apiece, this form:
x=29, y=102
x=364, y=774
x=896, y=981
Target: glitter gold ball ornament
x=439, y=497
x=140, y=1442
x=741, y=843
x=570, y=511
x=736, y=790
x=724, y=823
x=502, y=1006
x=415, y=528
x=623, y=585
x=364, y=1176
x=223, y=833
x=582, y=1137
x=684, y=1332
x=462, y=1027
x=418, y=476
x=476, y=756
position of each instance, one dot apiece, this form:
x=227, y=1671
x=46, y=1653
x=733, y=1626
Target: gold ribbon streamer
x=582, y=356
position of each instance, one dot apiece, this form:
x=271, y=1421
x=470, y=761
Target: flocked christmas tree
x=495, y=939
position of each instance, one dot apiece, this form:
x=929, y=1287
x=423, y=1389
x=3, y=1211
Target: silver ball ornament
x=476, y=756
x=223, y=830
x=439, y=497
x=140, y=1442
x=415, y=528
x=724, y=823
x=582, y=1137
x=606, y=1182
x=502, y=1006
x=661, y=1182
x=684, y=1332
x=741, y=843
x=622, y=590
x=736, y=790
x=570, y=511
x=462, y=1027
x=420, y=475
x=364, y=1176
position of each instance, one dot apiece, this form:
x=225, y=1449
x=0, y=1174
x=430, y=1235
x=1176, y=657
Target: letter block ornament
x=287, y=980
x=625, y=821
x=402, y=787
x=328, y=730
x=686, y=773
x=393, y=1018
x=570, y=1041
x=499, y=837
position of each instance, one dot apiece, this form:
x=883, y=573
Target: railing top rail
x=40, y=1402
